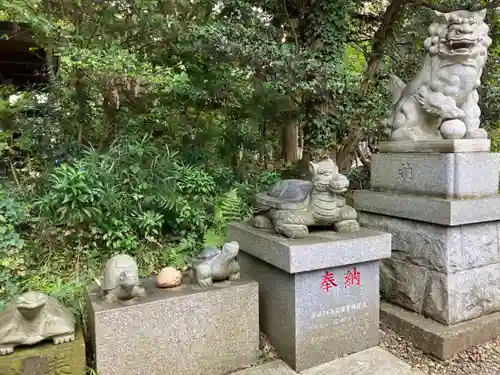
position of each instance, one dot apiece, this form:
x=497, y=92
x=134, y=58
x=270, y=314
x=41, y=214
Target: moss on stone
x=47, y=359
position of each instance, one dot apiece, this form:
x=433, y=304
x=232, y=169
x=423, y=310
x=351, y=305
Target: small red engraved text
x=328, y=281
x=352, y=278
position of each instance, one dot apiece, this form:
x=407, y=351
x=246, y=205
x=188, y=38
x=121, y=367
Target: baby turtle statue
x=214, y=264
x=33, y=317
x=291, y=206
x=121, y=279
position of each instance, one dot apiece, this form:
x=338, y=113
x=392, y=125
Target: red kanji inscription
x=328, y=281
x=352, y=278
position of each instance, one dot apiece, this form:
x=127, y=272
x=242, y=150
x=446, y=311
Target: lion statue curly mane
x=441, y=102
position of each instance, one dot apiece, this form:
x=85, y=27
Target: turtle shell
x=209, y=253
x=206, y=255
x=55, y=320
x=290, y=190
x=114, y=267
x=284, y=193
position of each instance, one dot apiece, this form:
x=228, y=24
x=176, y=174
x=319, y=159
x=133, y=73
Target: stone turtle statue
x=121, y=279
x=33, y=317
x=291, y=206
x=214, y=264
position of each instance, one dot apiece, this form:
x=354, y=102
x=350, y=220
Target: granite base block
x=47, y=359
x=186, y=330
x=450, y=274
x=447, y=298
x=449, y=212
x=309, y=326
x=437, y=247
x=442, y=341
x=451, y=175
x=318, y=296
x=443, y=145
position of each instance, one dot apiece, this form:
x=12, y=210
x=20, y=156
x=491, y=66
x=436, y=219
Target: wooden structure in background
x=21, y=63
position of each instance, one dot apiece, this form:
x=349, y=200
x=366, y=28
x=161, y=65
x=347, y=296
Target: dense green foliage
x=165, y=117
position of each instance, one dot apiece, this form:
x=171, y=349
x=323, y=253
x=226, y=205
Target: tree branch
x=392, y=13
x=443, y=8
x=366, y=17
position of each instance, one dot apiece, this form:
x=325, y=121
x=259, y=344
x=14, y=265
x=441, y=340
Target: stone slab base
x=435, y=210
x=453, y=175
x=374, y=361
x=47, y=359
x=186, y=330
x=308, y=324
x=434, y=338
x=319, y=250
x=443, y=145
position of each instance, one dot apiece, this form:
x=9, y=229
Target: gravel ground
x=480, y=360
x=267, y=351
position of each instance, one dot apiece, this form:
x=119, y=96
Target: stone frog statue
x=441, y=102
x=33, y=317
x=214, y=264
x=291, y=206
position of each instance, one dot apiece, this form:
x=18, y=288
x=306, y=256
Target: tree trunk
x=290, y=143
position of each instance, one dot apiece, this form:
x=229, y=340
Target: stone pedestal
x=443, y=212
x=318, y=296
x=47, y=359
x=186, y=330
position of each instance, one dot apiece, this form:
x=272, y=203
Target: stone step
x=449, y=212
x=277, y=367
x=442, y=341
x=374, y=361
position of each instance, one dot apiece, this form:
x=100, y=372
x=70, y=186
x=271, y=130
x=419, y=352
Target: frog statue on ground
x=441, y=102
x=34, y=317
x=291, y=206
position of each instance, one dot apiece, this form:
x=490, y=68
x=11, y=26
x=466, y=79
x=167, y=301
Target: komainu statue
x=291, y=206
x=441, y=102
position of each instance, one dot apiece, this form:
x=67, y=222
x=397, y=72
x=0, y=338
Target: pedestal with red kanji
x=318, y=296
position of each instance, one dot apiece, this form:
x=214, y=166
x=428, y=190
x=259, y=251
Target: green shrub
x=12, y=261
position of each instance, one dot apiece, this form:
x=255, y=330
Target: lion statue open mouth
x=441, y=102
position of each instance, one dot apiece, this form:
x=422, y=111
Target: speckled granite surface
x=187, y=330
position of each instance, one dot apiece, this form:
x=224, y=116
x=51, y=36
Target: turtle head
x=230, y=250
x=127, y=281
x=322, y=173
x=30, y=304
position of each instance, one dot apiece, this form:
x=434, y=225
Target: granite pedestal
x=319, y=296
x=47, y=359
x=186, y=330
x=442, y=210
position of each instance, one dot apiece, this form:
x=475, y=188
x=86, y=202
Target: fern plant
x=228, y=208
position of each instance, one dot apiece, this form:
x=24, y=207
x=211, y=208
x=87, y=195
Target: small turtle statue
x=214, y=264
x=33, y=317
x=121, y=279
x=291, y=206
